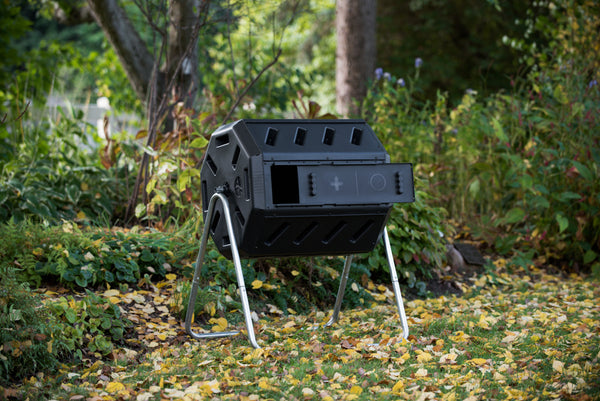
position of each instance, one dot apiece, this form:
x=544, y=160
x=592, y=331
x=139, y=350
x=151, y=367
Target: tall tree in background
x=171, y=68
x=355, y=54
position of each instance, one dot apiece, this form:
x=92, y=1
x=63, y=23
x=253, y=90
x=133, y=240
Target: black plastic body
x=301, y=187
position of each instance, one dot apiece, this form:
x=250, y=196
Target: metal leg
x=238, y=272
x=397, y=293
x=341, y=291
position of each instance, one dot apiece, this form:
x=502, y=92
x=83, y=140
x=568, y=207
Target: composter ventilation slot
x=275, y=235
x=300, y=136
x=211, y=164
x=356, y=136
x=271, y=136
x=222, y=140
x=333, y=233
x=306, y=233
x=205, y=195
x=215, y=221
x=361, y=231
x=235, y=158
x=240, y=216
x=328, y=136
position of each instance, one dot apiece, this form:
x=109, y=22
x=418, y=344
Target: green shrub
x=30, y=340
x=418, y=233
x=90, y=325
x=90, y=257
x=54, y=174
x=519, y=168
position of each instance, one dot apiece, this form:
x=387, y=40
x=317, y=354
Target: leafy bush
x=53, y=175
x=519, y=168
x=91, y=324
x=30, y=341
x=88, y=258
x=417, y=234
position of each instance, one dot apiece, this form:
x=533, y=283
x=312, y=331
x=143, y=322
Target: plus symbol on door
x=336, y=183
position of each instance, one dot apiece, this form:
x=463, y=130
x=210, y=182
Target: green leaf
x=562, y=221
x=514, y=215
x=589, y=256
x=584, y=171
x=185, y=178
x=526, y=181
x=199, y=142
x=560, y=94
x=568, y=196
x=140, y=210
x=498, y=130
x=540, y=202
x=81, y=281
x=474, y=188
x=71, y=316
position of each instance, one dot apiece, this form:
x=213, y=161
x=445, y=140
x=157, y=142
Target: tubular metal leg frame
x=238, y=272
x=395, y=285
x=341, y=291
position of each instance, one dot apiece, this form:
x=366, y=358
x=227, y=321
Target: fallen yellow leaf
x=256, y=284
x=356, y=390
x=477, y=361
x=114, y=387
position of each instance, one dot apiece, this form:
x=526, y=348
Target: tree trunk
x=135, y=58
x=183, y=15
x=355, y=54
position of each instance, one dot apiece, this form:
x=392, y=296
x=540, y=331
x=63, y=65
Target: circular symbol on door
x=238, y=188
x=377, y=182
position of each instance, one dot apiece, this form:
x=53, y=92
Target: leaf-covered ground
x=522, y=336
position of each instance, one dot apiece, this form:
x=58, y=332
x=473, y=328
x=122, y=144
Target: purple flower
x=471, y=92
x=400, y=82
x=592, y=83
x=387, y=76
x=418, y=62
x=378, y=73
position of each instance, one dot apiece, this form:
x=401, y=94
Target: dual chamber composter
x=275, y=188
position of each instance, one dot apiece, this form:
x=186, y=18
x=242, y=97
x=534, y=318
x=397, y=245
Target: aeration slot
x=226, y=241
x=275, y=235
x=271, y=136
x=333, y=233
x=215, y=221
x=361, y=231
x=300, y=136
x=211, y=164
x=236, y=157
x=306, y=233
x=204, y=195
x=284, y=184
x=328, y=136
x=247, y=183
x=222, y=140
x=356, y=136
x=240, y=216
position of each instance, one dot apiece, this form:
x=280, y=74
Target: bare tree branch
x=250, y=85
x=158, y=106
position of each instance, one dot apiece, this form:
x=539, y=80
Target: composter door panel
x=341, y=184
